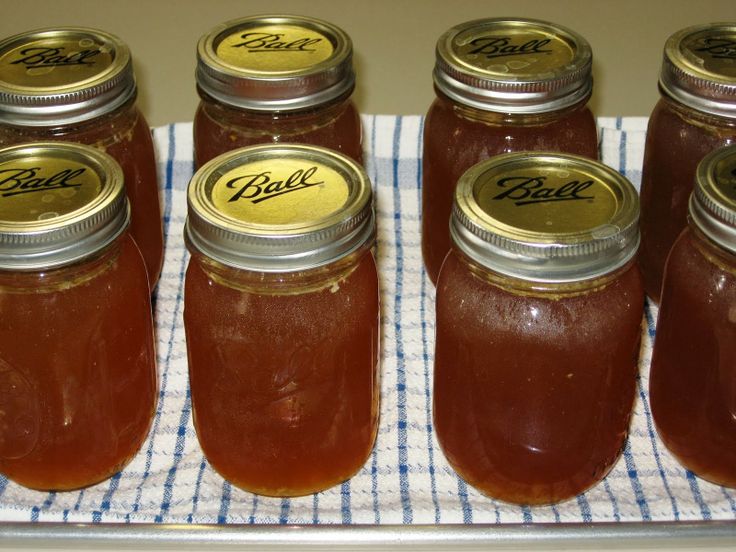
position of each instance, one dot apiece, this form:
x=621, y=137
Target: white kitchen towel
x=406, y=480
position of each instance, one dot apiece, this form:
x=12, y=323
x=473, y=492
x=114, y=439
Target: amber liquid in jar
x=77, y=369
x=534, y=383
x=126, y=136
x=693, y=374
x=678, y=138
x=219, y=128
x=457, y=137
x=284, y=372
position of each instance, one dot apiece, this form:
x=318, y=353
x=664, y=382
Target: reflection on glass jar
x=693, y=374
x=539, y=307
x=77, y=85
x=77, y=360
x=695, y=115
x=503, y=85
x=281, y=317
x=277, y=79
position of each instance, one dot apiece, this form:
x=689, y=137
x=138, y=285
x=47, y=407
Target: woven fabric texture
x=406, y=480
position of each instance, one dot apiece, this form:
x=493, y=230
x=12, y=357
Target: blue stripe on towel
x=107, y=497
x=425, y=351
x=178, y=453
x=224, y=502
x=614, y=502
x=284, y=514
x=252, y=517
x=584, y=508
x=197, y=486
x=400, y=358
x=315, y=508
x=650, y=421
x=163, y=368
x=697, y=495
x=462, y=495
x=347, y=516
x=622, y=154
x=636, y=483
x=729, y=498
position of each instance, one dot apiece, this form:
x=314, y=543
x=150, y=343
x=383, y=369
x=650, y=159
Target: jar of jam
x=695, y=115
x=539, y=307
x=274, y=79
x=281, y=317
x=693, y=372
x=77, y=85
x=502, y=85
x=77, y=362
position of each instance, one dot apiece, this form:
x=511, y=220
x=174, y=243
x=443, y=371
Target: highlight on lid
x=279, y=207
x=698, y=68
x=546, y=216
x=712, y=204
x=63, y=75
x=514, y=65
x=275, y=62
x=59, y=202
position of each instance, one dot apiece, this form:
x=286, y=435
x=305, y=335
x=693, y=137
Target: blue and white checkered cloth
x=406, y=480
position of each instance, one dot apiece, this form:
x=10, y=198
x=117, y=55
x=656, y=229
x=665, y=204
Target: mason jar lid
x=699, y=68
x=275, y=63
x=63, y=75
x=545, y=217
x=279, y=208
x=59, y=203
x=712, y=205
x=513, y=65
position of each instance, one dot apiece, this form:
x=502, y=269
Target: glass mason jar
x=282, y=317
x=277, y=79
x=695, y=115
x=693, y=373
x=502, y=85
x=77, y=85
x=77, y=362
x=539, y=307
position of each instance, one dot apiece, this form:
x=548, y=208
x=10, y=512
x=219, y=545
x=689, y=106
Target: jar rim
x=45, y=78
x=513, y=65
x=696, y=73
x=62, y=202
x=545, y=217
x=305, y=78
x=712, y=204
x=322, y=212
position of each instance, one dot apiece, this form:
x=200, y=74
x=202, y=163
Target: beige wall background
x=393, y=40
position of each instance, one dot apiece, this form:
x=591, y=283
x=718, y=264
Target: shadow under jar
x=502, y=85
x=77, y=85
x=539, y=308
x=693, y=375
x=275, y=79
x=77, y=362
x=282, y=317
x=695, y=115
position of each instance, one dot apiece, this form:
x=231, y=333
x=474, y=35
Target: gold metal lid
x=63, y=75
x=513, y=65
x=59, y=202
x=712, y=205
x=699, y=68
x=279, y=208
x=545, y=217
x=275, y=63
